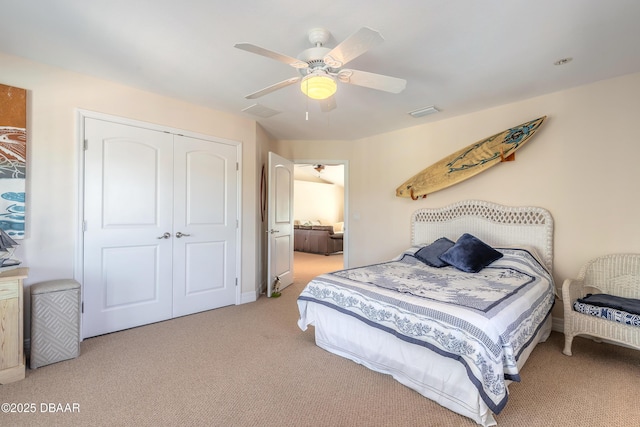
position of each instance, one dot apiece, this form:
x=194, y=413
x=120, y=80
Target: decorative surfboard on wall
x=13, y=159
x=469, y=161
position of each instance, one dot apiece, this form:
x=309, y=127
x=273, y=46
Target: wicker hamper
x=55, y=322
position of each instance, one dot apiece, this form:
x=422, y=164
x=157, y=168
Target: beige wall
x=317, y=201
x=266, y=143
x=582, y=166
x=54, y=95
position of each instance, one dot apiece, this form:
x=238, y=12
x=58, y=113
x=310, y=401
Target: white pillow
x=531, y=250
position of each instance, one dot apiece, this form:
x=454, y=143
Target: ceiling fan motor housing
x=318, y=36
x=315, y=58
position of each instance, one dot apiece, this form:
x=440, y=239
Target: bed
x=456, y=337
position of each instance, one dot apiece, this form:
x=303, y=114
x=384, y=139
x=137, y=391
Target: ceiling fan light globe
x=318, y=86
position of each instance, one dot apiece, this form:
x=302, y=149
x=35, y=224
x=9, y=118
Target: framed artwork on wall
x=13, y=160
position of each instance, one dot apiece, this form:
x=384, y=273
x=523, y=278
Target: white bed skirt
x=436, y=377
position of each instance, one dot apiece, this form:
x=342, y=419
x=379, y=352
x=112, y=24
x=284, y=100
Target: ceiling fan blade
x=294, y=62
x=372, y=80
x=273, y=88
x=352, y=47
x=327, y=104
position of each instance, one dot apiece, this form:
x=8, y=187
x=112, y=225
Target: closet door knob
x=165, y=236
x=179, y=234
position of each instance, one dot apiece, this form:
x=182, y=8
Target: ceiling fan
x=321, y=68
x=318, y=168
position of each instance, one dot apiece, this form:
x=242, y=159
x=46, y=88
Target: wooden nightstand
x=11, y=325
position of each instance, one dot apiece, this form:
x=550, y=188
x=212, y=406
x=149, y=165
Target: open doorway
x=319, y=206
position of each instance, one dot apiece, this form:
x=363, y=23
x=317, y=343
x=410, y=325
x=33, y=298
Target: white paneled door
x=205, y=225
x=160, y=221
x=280, y=220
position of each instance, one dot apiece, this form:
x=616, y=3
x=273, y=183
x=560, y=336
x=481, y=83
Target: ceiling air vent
x=261, y=111
x=423, y=111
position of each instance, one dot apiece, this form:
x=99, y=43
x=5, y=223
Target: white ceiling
x=331, y=174
x=459, y=55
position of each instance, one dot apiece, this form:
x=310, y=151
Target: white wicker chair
x=615, y=274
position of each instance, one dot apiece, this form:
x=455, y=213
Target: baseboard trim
x=247, y=297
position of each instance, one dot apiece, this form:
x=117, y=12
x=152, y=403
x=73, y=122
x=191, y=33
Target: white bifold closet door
x=160, y=226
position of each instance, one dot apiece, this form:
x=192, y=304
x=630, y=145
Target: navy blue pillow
x=470, y=254
x=430, y=254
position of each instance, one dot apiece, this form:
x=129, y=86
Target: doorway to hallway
x=320, y=198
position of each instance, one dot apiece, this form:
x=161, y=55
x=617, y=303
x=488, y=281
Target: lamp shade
x=7, y=246
x=318, y=86
x=6, y=242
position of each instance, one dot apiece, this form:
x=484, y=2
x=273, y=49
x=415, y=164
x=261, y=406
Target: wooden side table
x=12, y=325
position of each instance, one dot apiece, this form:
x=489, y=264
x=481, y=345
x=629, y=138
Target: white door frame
x=81, y=114
x=345, y=163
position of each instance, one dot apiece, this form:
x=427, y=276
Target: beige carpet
x=250, y=365
x=306, y=266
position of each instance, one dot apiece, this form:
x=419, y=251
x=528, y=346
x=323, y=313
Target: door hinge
x=82, y=307
x=236, y=281
x=237, y=166
x=84, y=225
x=86, y=144
x=237, y=223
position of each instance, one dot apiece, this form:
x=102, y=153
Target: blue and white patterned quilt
x=607, y=313
x=485, y=320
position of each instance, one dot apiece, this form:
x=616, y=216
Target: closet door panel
x=205, y=202
x=204, y=260
x=205, y=225
x=128, y=206
x=126, y=161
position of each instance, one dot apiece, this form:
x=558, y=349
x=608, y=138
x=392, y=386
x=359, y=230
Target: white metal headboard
x=492, y=223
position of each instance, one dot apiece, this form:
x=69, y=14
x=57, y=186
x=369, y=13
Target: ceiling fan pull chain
x=306, y=99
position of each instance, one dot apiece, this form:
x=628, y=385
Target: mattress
x=457, y=338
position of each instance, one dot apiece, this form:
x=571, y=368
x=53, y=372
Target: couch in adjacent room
x=317, y=239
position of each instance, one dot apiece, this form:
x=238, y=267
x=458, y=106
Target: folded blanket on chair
x=629, y=305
